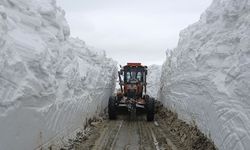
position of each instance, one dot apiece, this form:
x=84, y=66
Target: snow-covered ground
x=153, y=80
x=206, y=79
x=50, y=84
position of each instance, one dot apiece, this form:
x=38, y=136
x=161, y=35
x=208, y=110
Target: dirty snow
x=50, y=84
x=206, y=79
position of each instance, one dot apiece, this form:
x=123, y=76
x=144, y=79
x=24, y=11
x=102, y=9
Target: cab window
x=128, y=76
x=139, y=76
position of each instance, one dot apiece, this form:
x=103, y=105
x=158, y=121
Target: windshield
x=133, y=75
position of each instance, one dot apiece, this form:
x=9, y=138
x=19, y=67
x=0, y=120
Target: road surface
x=127, y=134
x=167, y=132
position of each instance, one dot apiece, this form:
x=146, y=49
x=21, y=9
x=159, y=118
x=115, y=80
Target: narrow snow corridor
x=51, y=84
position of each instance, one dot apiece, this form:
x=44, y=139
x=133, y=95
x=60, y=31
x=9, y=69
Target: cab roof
x=135, y=66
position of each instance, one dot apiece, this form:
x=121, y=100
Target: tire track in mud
x=146, y=141
x=166, y=140
x=108, y=136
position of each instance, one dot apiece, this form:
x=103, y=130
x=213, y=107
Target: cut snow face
x=49, y=83
x=206, y=79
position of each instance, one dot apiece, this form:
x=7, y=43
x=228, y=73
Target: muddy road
x=133, y=134
x=167, y=132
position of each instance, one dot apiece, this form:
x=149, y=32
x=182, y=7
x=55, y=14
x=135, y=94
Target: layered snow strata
x=50, y=84
x=206, y=79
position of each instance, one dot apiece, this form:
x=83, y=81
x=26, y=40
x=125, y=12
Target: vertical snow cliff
x=49, y=83
x=206, y=79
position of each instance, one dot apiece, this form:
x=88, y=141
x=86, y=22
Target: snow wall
x=206, y=79
x=153, y=80
x=50, y=84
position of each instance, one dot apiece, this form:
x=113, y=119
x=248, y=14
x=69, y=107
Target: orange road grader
x=132, y=93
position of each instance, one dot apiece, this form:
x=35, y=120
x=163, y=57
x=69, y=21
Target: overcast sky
x=132, y=30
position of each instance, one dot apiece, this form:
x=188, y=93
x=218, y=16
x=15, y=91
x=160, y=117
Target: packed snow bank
x=207, y=77
x=153, y=80
x=50, y=84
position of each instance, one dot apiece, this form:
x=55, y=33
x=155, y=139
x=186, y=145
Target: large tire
x=112, y=108
x=150, y=106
